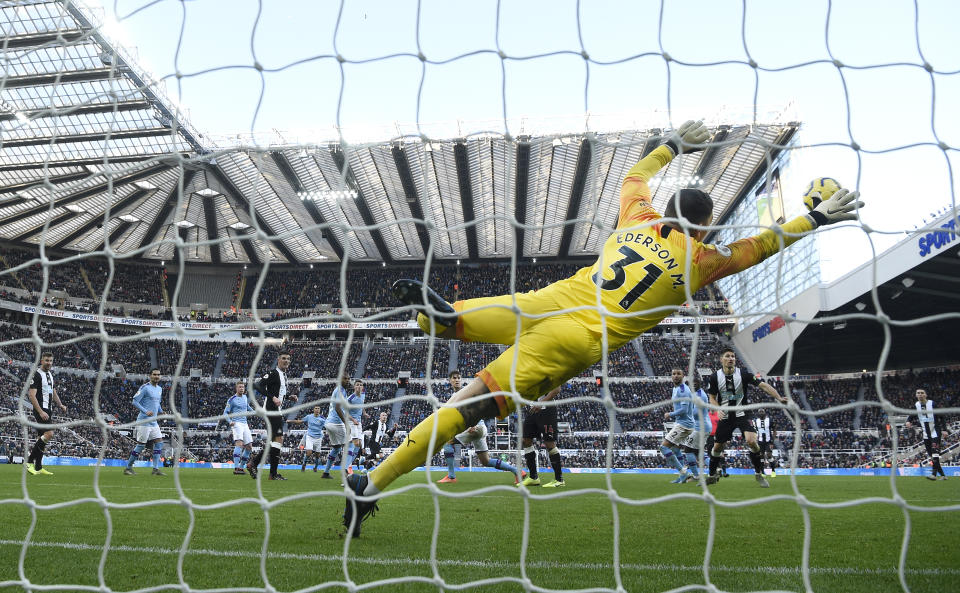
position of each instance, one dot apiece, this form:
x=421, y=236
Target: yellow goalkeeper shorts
x=549, y=350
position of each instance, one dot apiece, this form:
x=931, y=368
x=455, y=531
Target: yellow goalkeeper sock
x=412, y=452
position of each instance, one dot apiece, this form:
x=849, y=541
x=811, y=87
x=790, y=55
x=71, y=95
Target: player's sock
x=274, y=457
x=501, y=465
x=412, y=452
x=244, y=456
x=557, y=464
x=757, y=460
x=348, y=456
x=715, y=463
x=937, y=468
x=448, y=456
x=137, y=450
x=692, y=464
x=157, y=451
x=236, y=457
x=256, y=458
x=670, y=458
x=332, y=458
x=36, y=456
x=530, y=454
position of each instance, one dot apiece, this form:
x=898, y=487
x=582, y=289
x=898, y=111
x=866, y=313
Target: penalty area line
x=773, y=570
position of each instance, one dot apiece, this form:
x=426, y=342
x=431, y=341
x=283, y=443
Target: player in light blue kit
x=336, y=424
x=684, y=424
x=355, y=410
x=236, y=409
x=313, y=438
x=693, y=444
x=147, y=400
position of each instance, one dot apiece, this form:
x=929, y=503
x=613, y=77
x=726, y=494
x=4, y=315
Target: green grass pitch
x=662, y=542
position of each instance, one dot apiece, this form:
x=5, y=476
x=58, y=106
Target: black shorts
x=932, y=445
x=729, y=424
x=764, y=446
x=374, y=448
x=40, y=420
x=276, y=426
x=541, y=425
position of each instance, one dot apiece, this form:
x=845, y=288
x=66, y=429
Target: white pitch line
x=775, y=570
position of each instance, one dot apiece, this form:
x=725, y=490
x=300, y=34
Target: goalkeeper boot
x=528, y=481
x=762, y=481
x=357, y=484
x=555, y=484
x=410, y=292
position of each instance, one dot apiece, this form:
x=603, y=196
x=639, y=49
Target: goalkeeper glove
x=842, y=205
x=690, y=132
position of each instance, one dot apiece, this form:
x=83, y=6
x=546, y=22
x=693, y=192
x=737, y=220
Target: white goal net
x=198, y=187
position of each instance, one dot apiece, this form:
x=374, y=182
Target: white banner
x=206, y=326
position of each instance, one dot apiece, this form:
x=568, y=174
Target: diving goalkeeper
x=644, y=272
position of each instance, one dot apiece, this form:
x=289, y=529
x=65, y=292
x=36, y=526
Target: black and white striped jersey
x=930, y=423
x=43, y=383
x=731, y=390
x=764, y=428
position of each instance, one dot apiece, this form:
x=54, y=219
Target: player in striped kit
x=765, y=435
x=931, y=425
x=313, y=438
x=729, y=386
x=236, y=412
x=42, y=394
x=147, y=400
x=273, y=387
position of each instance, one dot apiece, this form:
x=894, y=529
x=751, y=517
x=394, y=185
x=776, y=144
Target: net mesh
x=250, y=163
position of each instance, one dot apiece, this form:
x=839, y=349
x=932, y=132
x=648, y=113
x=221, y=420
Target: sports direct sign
x=211, y=326
x=207, y=326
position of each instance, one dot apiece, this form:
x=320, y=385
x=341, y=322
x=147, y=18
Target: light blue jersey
x=315, y=425
x=236, y=406
x=146, y=400
x=356, y=400
x=683, y=413
x=339, y=395
x=705, y=426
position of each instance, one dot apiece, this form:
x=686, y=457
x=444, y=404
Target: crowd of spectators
x=132, y=283
x=665, y=354
x=386, y=360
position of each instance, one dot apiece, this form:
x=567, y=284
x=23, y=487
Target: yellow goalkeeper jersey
x=643, y=267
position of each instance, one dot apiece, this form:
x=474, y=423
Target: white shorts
x=147, y=432
x=241, y=432
x=313, y=443
x=356, y=432
x=478, y=438
x=677, y=434
x=693, y=441
x=337, y=433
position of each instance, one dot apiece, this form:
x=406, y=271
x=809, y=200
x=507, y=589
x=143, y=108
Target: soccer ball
x=825, y=186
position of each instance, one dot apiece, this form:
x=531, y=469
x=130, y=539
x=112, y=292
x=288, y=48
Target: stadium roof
x=83, y=130
x=917, y=284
